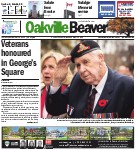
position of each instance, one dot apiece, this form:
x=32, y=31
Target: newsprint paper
x=53, y=54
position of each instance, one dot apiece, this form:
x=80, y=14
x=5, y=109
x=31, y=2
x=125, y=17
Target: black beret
x=83, y=48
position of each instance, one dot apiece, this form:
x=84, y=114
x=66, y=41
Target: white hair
x=97, y=52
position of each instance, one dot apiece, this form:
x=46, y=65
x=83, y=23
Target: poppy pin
x=102, y=102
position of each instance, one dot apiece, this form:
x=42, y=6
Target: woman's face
x=48, y=70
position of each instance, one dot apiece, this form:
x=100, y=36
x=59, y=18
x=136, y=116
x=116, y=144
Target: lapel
x=106, y=93
x=82, y=96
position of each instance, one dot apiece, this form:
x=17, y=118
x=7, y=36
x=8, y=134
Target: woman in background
x=48, y=65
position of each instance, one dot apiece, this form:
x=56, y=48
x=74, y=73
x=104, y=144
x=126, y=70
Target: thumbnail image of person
x=48, y=66
x=31, y=144
x=39, y=143
x=22, y=144
x=34, y=11
x=96, y=91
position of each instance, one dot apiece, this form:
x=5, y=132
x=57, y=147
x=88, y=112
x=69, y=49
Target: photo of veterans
x=96, y=90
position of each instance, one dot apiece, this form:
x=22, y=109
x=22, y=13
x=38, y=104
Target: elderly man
x=96, y=91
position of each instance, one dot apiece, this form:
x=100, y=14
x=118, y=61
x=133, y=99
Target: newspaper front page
x=37, y=40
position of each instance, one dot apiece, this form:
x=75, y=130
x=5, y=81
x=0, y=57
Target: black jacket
x=118, y=91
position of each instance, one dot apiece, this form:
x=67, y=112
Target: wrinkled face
x=48, y=69
x=89, y=67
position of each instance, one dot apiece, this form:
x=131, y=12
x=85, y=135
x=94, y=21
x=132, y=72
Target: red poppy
x=102, y=102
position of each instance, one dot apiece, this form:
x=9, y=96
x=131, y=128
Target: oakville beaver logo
x=58, y=27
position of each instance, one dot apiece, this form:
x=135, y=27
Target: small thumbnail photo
x=78, y=133
x=12, y=133
x=122, y=133
x=56, y=133
x=35, y=9
x=100, y=133
x=35, y=133
x=23, y=144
